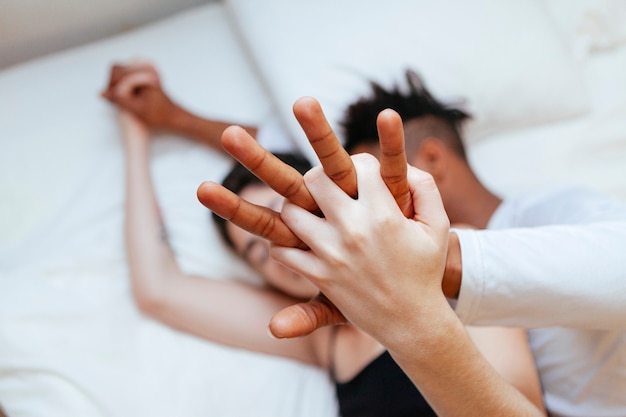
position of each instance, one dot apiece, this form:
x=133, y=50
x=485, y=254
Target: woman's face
x=256, y=250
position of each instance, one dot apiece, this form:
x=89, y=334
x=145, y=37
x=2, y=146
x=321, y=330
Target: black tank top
x=381, y=389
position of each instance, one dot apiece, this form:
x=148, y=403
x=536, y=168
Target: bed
x=544, y=81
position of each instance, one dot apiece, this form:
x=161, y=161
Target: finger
x=427, y=202
x=128, y=85
x=329, y=197
x=333, y=157
x=393, y=161
x=118, y=72
x=258, y=220
x=304, y=318
x=282, y=178
x=314, y=232
x=372, y=190
x=114, y=76
x=143, y=66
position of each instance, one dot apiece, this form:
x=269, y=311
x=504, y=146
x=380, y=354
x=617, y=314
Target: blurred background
x=30, y=28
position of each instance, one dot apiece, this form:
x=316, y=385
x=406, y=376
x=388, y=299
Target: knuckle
x=394, y=178
x=327, y=135
x=341, y=174
x=264, y=226
x=257, y=162
x=356, y=239
x=392, y=152
x=291, y=189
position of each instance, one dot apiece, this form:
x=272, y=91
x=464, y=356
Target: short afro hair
x=359, y=121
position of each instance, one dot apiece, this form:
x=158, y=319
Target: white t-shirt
x=562, y=262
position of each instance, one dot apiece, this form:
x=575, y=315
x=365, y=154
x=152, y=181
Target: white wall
x=30, y=28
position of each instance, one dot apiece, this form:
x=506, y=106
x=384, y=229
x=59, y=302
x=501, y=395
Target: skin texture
x=304, y=318
x=289, y=183
x=196, y=305
x=136, y=87
x=395, y=295
x=415, y=331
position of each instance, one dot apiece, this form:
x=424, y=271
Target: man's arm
x=556, y=275
x=136, y=88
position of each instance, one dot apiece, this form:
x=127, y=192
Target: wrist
x=452, y=275
x=426, y=335
x=137, y=145
x=178, y=120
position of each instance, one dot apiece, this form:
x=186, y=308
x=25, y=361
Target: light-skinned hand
x=371, y=261
x=304, y=318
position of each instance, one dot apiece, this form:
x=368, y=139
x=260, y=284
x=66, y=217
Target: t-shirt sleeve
x=561, y=275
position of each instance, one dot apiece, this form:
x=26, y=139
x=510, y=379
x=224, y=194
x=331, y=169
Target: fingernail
x=270, y=334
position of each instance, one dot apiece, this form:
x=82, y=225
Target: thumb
x=304, y=318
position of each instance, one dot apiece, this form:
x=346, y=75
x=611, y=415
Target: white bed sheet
x=72, y=342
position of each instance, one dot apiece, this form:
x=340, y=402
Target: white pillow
x=52, y=112
x=72, y=342
x=590, y=25
x=505, y=59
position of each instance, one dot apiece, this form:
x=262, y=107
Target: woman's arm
x=226, y=312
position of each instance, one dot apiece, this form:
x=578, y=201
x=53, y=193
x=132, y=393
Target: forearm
x=206, y=131
x=150, y=258
x=204, y=307
x=442, y=361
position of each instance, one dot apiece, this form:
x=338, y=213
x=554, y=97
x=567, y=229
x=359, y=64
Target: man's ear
x=432, y=157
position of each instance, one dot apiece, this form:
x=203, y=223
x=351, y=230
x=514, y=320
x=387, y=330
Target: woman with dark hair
x=368, y=381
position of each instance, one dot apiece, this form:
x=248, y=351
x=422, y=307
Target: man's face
x=416, y=156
